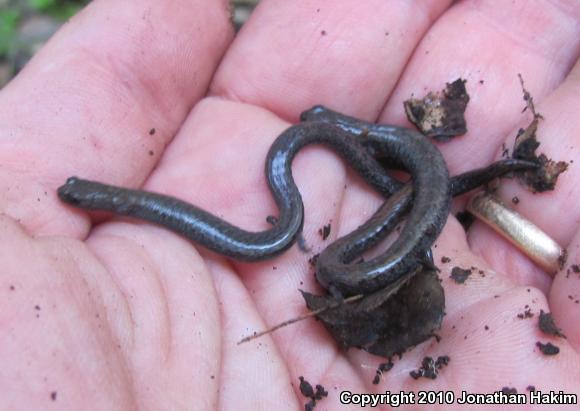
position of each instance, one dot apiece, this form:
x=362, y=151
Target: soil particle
x=509, y=390
x=547, y=325
x=307, y=391
x=306, y=388
x=460, y=275
x=324, y=231
x=430, y=368
x=547, y=348
x=526, y=314
x=312, y=260
x=320, y=392
x=382, y=368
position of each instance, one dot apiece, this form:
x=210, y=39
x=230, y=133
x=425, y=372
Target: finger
x=488, y=44
x=553, y=211
x=564, y=297
x=102, y=99
x=491, y=323
x=114, y=321
x=172, y=336
x=249, y=367
x=228, y=179
x=344, y=54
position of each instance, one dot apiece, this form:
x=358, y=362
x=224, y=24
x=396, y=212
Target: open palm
x=121, y=314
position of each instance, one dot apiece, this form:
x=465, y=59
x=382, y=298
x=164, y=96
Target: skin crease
x=125, y=315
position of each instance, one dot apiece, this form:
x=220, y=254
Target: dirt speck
x=314, y=396
x=460, y=275
x=509, y=390
x=325, y=231
x=430, y=367
x=526, y=314
x=547, y=348
x=312, y=260
x=382, y=368
x=548, y=326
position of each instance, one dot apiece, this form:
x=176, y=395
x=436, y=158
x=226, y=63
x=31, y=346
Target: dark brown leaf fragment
x=440, y=115
x=388, y=321
x=545, y=176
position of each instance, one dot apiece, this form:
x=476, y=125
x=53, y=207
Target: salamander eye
x=71, y=180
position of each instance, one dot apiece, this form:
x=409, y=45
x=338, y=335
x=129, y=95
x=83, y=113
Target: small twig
x=529, y=100
x=302, y=317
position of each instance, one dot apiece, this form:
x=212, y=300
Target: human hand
x=123, y=314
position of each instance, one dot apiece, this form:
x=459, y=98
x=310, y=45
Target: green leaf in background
x=41, y=5
x=9, y=18
x=67, y=10
x=59, y=9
